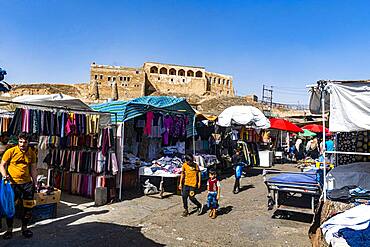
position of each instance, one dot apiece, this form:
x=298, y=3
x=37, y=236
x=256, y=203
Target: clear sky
x=285, y=44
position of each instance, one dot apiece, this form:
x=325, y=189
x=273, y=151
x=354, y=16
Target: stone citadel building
x=120, y=82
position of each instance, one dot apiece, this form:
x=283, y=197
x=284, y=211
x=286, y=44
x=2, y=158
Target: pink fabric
x=148, y=125
x=69, y=128
x=26, y=120
x=167, y=123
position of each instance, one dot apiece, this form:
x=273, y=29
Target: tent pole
x=322, y=85
x=194, y=151
x=121, y=175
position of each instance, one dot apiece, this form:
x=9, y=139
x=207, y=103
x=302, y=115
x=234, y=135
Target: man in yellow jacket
x=18, y=165
x=189, y=182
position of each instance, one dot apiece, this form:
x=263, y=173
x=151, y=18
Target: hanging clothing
x=167, y=123
x=148, y=123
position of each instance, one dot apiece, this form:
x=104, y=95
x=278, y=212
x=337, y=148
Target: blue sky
x=285, y=44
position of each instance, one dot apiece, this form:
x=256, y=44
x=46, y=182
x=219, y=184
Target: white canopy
x=56, y=100
x=349, y=106
x=243, y=115
x=61, y=100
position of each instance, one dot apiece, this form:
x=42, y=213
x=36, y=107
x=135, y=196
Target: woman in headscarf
x=299, y=154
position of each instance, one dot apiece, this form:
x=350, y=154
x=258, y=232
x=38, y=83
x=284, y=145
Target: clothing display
x=82, y=184
x=164, y=165
x=206, y=160
x=356, y=219
x=4, y=124
x=82, y=161
x=53, y=123
x=352, y=142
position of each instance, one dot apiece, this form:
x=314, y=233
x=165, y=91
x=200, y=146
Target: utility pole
x=267, y=99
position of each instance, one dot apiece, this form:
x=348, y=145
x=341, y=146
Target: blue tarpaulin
x=127, y=110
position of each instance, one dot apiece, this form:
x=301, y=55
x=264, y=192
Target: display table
x=159, y=181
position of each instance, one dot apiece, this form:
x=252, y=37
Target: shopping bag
x=7, y=199
x=238, y=171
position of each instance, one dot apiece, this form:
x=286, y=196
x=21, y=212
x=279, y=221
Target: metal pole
x=194, y=134
x=121, y=175
x=322, y=85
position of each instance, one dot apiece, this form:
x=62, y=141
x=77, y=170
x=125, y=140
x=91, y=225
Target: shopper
x=18, y=166
x=313, y=148
x=238, y=163
x=190, y=181
x=299, y=149
x=214, y=193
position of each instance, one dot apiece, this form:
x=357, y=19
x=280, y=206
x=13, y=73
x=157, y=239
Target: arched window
x=163, y=71
x=228, y=83
x=181, y=72
x=199, y=74
x=172, y=71
x=223, y=81
x=219, y=81
x=190, y=73
x=154, y=70
x=214, y=80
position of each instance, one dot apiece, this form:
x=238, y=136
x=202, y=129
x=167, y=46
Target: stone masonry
x=120, y=82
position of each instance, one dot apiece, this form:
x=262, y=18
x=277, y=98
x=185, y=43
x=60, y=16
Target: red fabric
x=148, y=125
x=282, y=124
x=212, y=184
x=315, y=128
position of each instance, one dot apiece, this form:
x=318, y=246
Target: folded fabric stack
x=206, y=160
x=164, y=165
x=349, y=194
x=130, y=161
x=350, y=228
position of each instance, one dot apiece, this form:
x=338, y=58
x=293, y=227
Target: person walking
x=299, y=149
x=214, y=193
x=190, y=181
x=313, y=148
x=238, y=164
x=18, y=165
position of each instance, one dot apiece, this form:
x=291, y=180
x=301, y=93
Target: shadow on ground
x=294, y=216
x=225, y=210
x=68, y=232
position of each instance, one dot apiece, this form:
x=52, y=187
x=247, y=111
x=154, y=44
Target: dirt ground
x=147, y=221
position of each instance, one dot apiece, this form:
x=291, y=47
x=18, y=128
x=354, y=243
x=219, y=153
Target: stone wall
x=168, y=78
x=130, y=81
x=156, y=77
x=219, y=84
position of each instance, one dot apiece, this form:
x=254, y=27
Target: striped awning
x=127, y=110
x=114, y=107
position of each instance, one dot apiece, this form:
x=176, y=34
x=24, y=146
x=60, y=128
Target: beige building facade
x=118, y=82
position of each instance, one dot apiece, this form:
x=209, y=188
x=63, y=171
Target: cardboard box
x=42, y=198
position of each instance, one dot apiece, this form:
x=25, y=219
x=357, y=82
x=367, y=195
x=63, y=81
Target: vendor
x=18, y=166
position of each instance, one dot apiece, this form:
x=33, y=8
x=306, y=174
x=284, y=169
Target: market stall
x=155, y=133
x=242, y=125
x=67, y=141
x=283, y=128
x=349, y=121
